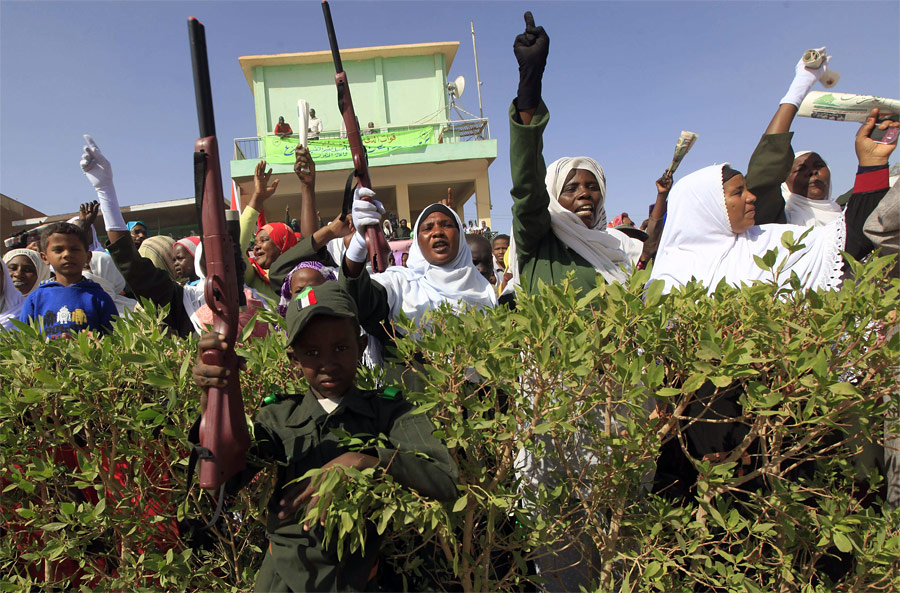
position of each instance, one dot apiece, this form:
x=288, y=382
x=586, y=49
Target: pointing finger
x=90, y=142
x=529, y=20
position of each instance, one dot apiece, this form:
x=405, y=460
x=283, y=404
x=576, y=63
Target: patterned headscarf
x=327, y=273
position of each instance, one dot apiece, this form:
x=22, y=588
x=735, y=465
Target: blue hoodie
x=69, y=309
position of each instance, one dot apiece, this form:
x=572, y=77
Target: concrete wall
x=397, y=90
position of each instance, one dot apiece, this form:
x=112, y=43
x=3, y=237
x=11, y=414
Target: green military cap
x=326, y=299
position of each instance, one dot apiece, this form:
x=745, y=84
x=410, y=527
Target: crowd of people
x=711, y=225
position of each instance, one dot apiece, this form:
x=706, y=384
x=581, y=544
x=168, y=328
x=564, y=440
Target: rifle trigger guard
x=203, y=453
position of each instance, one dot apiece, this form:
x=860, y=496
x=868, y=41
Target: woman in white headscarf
x=439, y=270
x=559, y=220
x=711, y=236
x=561, y=227
x=27, y=269
x=807, y=192
x=792, y=188
x=11, y=300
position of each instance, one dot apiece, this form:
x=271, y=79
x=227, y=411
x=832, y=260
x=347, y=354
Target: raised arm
x=871, y=184
x=657, y=216
x=262, y=191
x=528, y=117
x=99, y=172
x=771, y=162
x=305, y=169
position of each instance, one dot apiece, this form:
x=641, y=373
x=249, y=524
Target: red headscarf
x=282, y=236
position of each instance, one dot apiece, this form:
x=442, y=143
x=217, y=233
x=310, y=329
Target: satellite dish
x=457, y=87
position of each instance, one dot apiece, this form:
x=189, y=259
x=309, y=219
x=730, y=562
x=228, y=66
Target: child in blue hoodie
x=71, y=303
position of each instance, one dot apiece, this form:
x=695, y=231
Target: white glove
x=365, y=213
x=804, y=79
x=99, y=172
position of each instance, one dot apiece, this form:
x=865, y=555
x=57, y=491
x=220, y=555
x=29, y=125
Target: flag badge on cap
x=306, y=298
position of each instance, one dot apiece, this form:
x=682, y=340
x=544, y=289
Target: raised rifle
x=376, y=244
x=224, y=438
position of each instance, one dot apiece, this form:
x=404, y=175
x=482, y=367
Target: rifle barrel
x=332, y=38
x=200, y=63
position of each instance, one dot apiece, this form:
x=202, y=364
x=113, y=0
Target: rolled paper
x=813, y=59
x=685, y=142
x=303, y=124
x=848, y=107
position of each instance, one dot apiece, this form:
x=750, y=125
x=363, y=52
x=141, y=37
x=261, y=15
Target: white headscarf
x=607, y=252
x=698, y=242
x=42, y=269
x=803, y=211
x=11, y=300
x=102, y=265
x=122, y=302
x=422, y=287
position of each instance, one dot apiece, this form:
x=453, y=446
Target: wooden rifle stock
x=376, y=244
x=224, y=439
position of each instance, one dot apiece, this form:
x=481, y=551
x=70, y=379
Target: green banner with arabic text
x=324, y=150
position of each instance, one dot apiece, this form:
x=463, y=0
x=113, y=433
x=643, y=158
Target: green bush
x=569, y=401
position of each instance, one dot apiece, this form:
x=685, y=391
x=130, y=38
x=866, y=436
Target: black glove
x=531, y=49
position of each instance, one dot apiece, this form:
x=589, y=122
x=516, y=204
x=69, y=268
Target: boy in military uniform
x=297, y=433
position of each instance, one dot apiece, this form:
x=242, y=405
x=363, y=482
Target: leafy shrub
x=569, y=401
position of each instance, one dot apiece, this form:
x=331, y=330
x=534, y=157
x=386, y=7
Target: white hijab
x=102, y=265
x=607, y=251
x=11, y=300
x=422, y=287
x=698, y=242
x=40, y=266
x=803, y=211
x=122, y=302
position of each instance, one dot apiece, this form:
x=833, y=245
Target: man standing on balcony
x=282, y=129
x=315, y=125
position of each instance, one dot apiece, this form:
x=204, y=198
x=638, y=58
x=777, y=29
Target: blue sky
x=623, y=79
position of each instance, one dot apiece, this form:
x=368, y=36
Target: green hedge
x=589, y=387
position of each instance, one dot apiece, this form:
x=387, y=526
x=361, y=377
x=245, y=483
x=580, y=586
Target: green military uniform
x=770, y=164
x=298, y=435
x=542, y=256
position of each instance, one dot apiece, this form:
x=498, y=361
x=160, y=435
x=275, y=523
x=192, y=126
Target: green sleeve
x=248, y=230
x=149, y=282
x=531, y=219
x=418, y=459
x=769, y=167
x=371, y=300
x=288, y=260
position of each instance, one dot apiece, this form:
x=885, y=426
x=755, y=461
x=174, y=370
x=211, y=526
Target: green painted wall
x=398, y=90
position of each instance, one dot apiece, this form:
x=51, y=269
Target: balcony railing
x=446, y=132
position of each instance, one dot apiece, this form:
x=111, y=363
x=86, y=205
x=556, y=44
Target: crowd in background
x=710, y=225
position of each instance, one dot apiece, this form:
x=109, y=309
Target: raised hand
x=804, y=79
x=87, y=214
x=261, y=188
x=531, y=49
x=95, y=166
x=664, y=183
x=869, y=152
x=365, y=213
x=304, y=167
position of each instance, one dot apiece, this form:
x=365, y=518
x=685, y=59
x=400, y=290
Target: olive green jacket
x=770, y=164
x=298, y=435
x=542, y=256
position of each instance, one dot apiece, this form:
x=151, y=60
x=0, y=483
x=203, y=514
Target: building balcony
x=412, y=165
